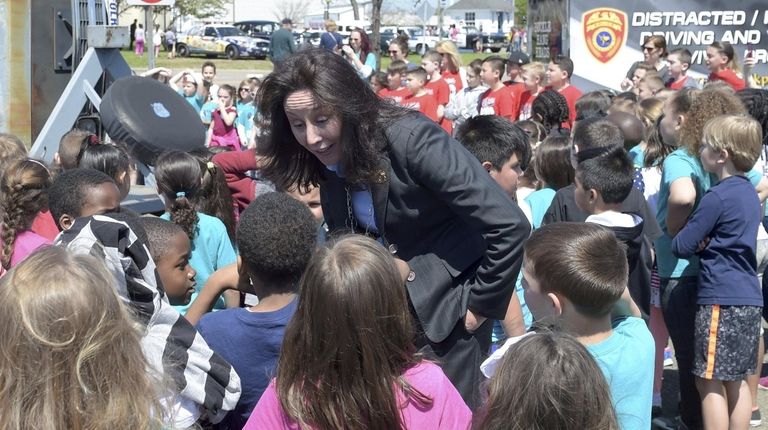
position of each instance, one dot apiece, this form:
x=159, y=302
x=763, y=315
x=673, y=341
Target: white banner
x=150, y=2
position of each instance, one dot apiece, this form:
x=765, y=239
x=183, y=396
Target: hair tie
x=94, y=140
x=211, y=167
x=181, y=194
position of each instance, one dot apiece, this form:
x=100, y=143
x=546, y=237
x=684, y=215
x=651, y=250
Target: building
x=485, y=15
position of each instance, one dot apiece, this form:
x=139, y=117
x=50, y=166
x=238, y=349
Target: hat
x=286, y=21
x=519, y=58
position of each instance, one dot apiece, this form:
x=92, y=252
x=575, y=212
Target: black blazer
x=443, y=214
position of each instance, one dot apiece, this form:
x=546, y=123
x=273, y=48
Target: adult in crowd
x=394, y=175
x=331, y=40
x=359, y=54
x=282, y=43
x=133, y=34
x=398, y=50
x=655, y=54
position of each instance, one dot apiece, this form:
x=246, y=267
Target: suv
x=218, y=40
x=260, y=29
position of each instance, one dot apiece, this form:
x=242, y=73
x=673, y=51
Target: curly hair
x=338, y=90
x=708, y=104
x=276, y=238
x=23, y=189
x=11, y=148
x=178, y=177
x=756, y=102
x=551, y=108
x=365, y=43
x=214, y=198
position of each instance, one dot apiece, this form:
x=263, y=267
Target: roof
x=500, y=5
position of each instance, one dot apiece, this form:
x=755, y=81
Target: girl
x=23, y=193
x=348, y=358
x=190, y=89
x=140, y=40
x=453, y=74
x=245, y=114
x=111, y=159
x=724, y=65
x=72, y=356
x=551, y=109
x=648, y=112
x=548, y=381
x=180, y=182
x=554, y=171
x=358, y=53
x=223, y=131
x=214, y=198
x=463, y=104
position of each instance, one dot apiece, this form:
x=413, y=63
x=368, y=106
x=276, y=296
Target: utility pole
x=149, y=44
x=440, y=5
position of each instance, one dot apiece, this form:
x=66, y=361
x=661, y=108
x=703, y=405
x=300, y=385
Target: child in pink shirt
x=223, y=130
x=352, y=333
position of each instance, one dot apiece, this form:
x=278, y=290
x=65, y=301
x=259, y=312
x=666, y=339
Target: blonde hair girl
x=455, y=75
x=23, y=194
x=71, y=357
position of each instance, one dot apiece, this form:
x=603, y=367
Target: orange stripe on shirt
x=712, y=346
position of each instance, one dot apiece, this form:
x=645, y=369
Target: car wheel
x=495, y=50
x=182, y=50
x=421, y=49
x=232, y=52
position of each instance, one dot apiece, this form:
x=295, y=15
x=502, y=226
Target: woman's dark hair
x=553, y=162
x=112, y=159
x=402, y=42
x=365, y=43
x=551, y=108
x=658, y=42
x=756, y=102
x=592, y=104
x=340, y=92
x=178, y=177
x=214, y=198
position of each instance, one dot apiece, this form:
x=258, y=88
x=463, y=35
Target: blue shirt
x=245, y=114
x=540, y=201
x=195, y=100
x=626, y=359
x=680, y=164
x=206, y=112
x=729, y=215
x=250, y=342
x=637, y=154
x=211, y=250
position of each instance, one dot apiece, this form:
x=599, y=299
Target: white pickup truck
x=419, y=43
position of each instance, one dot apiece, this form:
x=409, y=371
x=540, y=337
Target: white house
x=485, y=15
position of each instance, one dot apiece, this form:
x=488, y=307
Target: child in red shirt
x=559, y=74
x=679, y=63
x=420, y=99
x=395, y=77
x=437, y=87
x=533, y=80
x=514, y=81
x=722, y=63
x=498, y=100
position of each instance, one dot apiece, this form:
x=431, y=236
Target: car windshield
x=229, y=31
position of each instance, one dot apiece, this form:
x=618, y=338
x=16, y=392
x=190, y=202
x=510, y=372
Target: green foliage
x=521, y=11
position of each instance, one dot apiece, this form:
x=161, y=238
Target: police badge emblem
x=605, y=32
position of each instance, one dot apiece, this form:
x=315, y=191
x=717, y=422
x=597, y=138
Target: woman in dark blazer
x=397, y=176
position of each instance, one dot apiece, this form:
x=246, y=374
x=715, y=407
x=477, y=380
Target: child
x=554, y=171
x=275, y=239
x=379, y=81
x=497, y=100
x=550, y=109
x=546, y=381
x=649, y=86
x=191, y=89
x=463, y=104
x=246, y=111
x=179, y=182
x=70, y=146
x=11, y=148
x=575, y=276
x=54, y=307
x=559, y=73
x=420, y=99
x=396, y=76
x=222, y=131
x=513, y=80
x=77, y=193
x=170, y=250
x=354, y=335
x=23, y=193
x=723, y=65
x=208, y=71
x=503, y=150
x=641, y=71
x=679, y=63
x=533, y=79
x=723, y=231
x=139, y=35
x=111, y=159
x=436, y=86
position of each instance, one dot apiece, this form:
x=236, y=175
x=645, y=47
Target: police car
x=220, y=40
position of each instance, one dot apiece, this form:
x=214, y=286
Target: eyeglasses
x=648, y=48
x=394, y=52
x=245, y=89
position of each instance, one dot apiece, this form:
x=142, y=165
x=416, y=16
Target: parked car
x=469, y=37
x=260, y=29
x=420, y=44
x=216, y=40
x=496, y=41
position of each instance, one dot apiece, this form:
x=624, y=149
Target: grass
x=194, y=63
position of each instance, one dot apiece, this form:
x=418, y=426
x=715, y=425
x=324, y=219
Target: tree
x=355, y=9
x=295, y=10
x=521, y=12
x=376, y=30
x=199, y=8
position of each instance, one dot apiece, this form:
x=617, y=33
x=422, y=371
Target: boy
x=559, y=74
x=77, y=193
x=723, y=231
x=170, y=250
x=275, y=238
x=420, y=99
x=498, y=100
x=515, y=63
x=191, y=88
x=602, y=184
x=209, y=72
x=679, y=63
x=70, y=146
x=437, y=87
x=533, y=80
x=649, y=86
x=503, y=150
x=575, y=277
x=396, y=90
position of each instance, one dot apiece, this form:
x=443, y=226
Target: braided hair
x=551, y=108
x=179, y=181
x=756, y=102
x=23, y=190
